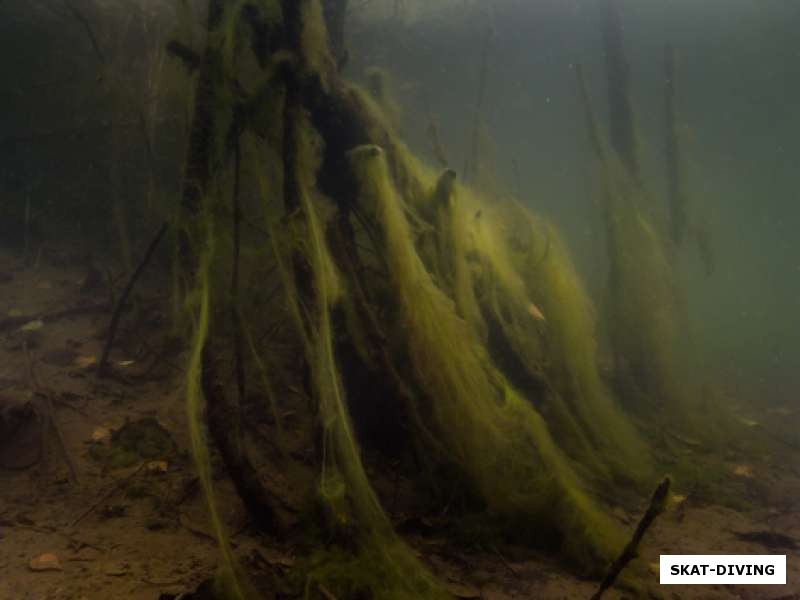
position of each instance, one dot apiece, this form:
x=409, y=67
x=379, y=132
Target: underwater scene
x=399, y=299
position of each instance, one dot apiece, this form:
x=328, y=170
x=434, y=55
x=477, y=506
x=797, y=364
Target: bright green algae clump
x=496, y=436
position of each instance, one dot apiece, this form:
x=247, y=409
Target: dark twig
x=676, y=193
x=657, y=505
x=335, y=12
x=110, y=492
x=473, y=159
x=621, y=121
x=50, y=419
x=504, y=560
x=88, y=27
x=591, y=120
x=235, y=308
x=123, y=299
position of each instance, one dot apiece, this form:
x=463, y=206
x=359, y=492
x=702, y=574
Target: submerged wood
x=222, y=419
x=225, y=427
x=658, y=503
x=622, y=131
x=676, y=195
x=102, y=366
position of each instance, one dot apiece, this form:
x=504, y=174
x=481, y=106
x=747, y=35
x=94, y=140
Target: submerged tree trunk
x=621, y=119
x=676, y=195
x=203, y=164
x=646, y=324
x=411, y=326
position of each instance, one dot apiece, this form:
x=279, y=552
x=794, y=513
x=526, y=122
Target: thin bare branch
x=88, y=27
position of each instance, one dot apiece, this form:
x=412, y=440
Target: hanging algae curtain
x=424, y=278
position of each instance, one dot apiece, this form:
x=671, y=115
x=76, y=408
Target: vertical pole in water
x=622, y=134
x=473, y=159
x=27, y=226
x=335, y=12
x=675, y=192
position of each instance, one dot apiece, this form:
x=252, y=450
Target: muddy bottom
x=81, y=521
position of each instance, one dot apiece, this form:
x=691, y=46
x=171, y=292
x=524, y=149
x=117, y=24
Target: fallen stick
x=50, y=418
x=102, y=366
x=657, y=505
x=507, y=564
x=108, y=493
x=88, y=27
x=60, y=437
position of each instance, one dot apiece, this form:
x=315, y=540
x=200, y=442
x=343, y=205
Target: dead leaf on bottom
x=116, y=569
x=676, y=500
x=84, y=362
x=743, y=471
x=35, y=325
x=102, y=435
x=45, y=562
x=158, y=467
